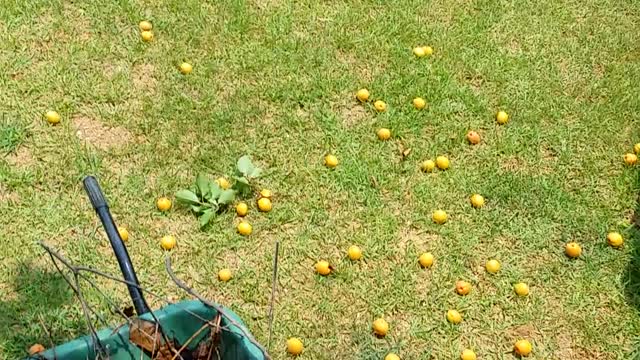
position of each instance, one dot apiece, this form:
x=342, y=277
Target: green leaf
x=241, y=179
x=227, y=197
x=255, y=173
x=242, y=186
x=214, y=190
x=187, y=197
x=197, y=208
x=206, y=217
x=202, y=183
x=245, y=166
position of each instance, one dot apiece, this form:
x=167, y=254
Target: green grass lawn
x=276, y=80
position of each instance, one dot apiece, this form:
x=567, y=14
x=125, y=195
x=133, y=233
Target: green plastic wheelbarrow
x=187, y=330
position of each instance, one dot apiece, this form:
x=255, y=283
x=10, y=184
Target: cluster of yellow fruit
x=632, y=158
x=422, y=51
x=522, y=347
x=147, y=35
x=363, y=96
x=574, y=250
x=380, y=326
x=242, y=209
x=322, y=267
x=168, y=242
x=441, y=162
x=145, y=30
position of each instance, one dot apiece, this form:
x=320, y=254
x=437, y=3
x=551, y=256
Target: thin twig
x=53, y=253
x=111, y=277
x=215, y=335
x=74, y=287
x=85, y=310
x=211, y=351
x=274, y=280
x=220, y=310
x=44, y=327
x=214, y=338
x=189, y=340
x=76, y=270
x=155, y=334
x=156, y=320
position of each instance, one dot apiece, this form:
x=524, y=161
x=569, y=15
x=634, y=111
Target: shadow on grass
x=38, y=294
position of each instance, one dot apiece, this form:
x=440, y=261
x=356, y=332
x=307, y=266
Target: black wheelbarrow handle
x=102, y=209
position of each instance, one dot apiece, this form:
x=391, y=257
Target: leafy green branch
x=245, y=173
x=206, y=198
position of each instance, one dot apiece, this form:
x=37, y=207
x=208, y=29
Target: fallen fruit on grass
x=380, y=327
x=521, y=289
x=428, y=50
x=36, y=348
x=242, y=209
x=442, y=162
x=392, y=356
x=473, y=137
x=124, y=233
x=384, y=134
x=502, y=117
x=614, y=239
x=186, y=68
x=225, y=275
x=223, y=183
x=163, y=204
x=522, y=348
x=52, y=117
x=630, y=159
x=331, y=161
x=439, y=217
x=428, y=165
x=146, y=36
x=294, y=346
x=362, y=95
x=636, y=148
x=468, y=354
x=168, y=242
x=354, y=252
x=426, y=260
x=380, y=105
x=477, y=201
x=573, y=250
x=419, y=103
x=419, y=51
x=323, y=268
x=454, y=317
x=463, y=287
x=265, y=193
x=145, y=25
x=264, y=204
x=244, y=228
x=492, y=266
